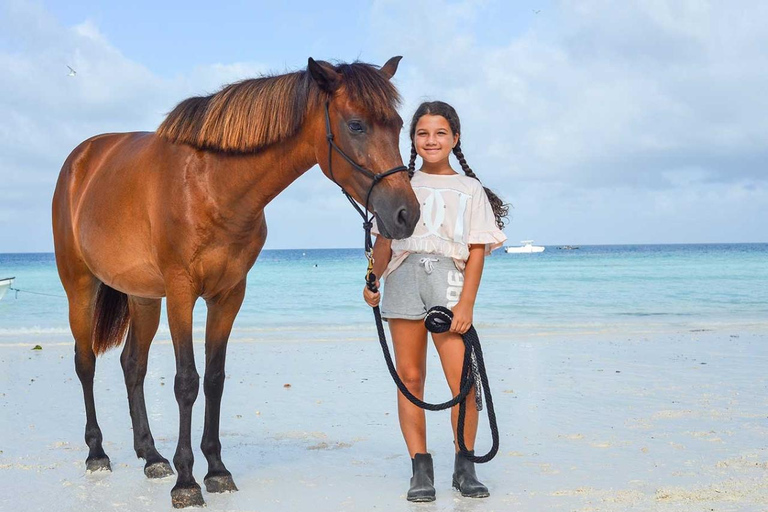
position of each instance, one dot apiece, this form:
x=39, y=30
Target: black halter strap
x=375, y=178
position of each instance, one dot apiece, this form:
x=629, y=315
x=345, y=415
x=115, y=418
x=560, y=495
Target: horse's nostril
x=402, y=217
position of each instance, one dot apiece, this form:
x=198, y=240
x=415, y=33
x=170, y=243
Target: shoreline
x=363, y=333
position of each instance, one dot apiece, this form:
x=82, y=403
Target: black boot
x=423, y=479
x=465, y=480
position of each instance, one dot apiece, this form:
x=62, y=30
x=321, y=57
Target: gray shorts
x=421, y=282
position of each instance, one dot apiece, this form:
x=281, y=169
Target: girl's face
x=433, y=138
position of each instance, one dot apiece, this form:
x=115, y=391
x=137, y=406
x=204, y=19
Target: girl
x=440, y=264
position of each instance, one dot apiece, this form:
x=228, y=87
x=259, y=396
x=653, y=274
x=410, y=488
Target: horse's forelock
x=368, y=87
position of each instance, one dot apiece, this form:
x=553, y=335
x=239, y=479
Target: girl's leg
x=450, y=347
x=409, y=338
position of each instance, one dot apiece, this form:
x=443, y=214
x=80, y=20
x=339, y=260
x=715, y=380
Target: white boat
x=5, y=283
x=527, y=248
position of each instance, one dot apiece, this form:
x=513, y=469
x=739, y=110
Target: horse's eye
x=356, y=127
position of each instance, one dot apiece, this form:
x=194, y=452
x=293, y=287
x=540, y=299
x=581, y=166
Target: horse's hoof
x=98, y=464
x=220, y=483
x=160, y=469
x=183, y=497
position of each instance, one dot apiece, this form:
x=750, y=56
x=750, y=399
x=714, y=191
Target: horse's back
x=85, y=161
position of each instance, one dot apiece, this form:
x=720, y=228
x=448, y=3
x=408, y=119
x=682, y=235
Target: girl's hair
x=440, y=108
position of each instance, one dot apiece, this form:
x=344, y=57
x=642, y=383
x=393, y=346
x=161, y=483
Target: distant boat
x=527, y=248
x=5, y=283
x=569, y=247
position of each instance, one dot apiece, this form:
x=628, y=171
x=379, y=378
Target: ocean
x=317, y=294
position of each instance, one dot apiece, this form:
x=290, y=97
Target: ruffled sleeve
x=482, y=223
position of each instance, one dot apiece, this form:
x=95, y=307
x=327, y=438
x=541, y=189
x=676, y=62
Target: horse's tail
x=110, y=319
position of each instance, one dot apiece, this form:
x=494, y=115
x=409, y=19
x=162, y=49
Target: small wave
x=14, y=331
x=304, y=328
x=654, y=314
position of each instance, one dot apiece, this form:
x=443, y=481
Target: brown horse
x=179, y=213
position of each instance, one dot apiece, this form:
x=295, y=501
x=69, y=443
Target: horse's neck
x=257, y=179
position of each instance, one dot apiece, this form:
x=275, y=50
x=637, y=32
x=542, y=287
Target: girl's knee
x=413, y=378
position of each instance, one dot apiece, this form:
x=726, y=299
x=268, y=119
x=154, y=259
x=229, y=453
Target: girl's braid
x=500, y=209
x=463, y=161
x=412, y=163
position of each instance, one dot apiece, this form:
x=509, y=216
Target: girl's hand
x=462, y=318
x=372, y=299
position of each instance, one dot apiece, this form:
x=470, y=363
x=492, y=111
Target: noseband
x=376, y=178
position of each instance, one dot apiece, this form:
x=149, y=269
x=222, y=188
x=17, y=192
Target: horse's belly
x=135, y=277
x=140, y=281
x=118, y=255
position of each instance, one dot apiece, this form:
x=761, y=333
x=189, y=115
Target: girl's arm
x=382, y=253
x=462, y=312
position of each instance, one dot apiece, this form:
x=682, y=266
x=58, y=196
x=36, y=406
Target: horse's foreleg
x=180, y=302
x=145, y=317
x=82, y=296
x=221, y=314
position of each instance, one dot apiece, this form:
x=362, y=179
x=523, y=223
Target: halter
x=376, y=178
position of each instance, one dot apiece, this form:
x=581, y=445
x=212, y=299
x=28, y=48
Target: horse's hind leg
x=221, y=315
x=145, y=317
x=81, y=291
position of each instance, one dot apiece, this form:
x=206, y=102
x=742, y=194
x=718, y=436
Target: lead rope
x=438, y=320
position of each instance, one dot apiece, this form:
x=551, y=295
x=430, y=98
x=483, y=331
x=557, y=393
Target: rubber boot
x=465, y=479
x=423, y=479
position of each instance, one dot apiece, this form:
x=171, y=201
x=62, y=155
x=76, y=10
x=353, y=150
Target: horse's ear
x=390, y=68
x=324, y=74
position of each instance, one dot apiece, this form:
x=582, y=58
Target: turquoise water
x=305, y=293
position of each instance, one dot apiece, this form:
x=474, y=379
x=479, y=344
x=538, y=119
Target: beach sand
x=668, y=421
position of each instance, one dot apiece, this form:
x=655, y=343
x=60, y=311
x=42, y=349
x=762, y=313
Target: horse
x=179, y=214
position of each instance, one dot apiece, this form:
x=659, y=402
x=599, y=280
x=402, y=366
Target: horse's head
x=362, y=109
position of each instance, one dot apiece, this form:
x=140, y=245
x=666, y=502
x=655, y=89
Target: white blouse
x=455, y=212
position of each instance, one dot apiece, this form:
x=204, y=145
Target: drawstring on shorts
x=428, y=264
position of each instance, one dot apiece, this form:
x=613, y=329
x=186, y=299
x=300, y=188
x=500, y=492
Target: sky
x=600, y=122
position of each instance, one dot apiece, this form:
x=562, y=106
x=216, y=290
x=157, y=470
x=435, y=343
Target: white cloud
x=44, y=113
x=602, y=99
x=601, y=121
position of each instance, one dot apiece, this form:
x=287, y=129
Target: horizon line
x=544, y=245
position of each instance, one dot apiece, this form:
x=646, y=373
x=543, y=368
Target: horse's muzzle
x=399, y=221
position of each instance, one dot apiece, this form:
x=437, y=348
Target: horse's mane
x=247, y=116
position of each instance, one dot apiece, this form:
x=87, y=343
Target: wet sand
x=668, y=421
